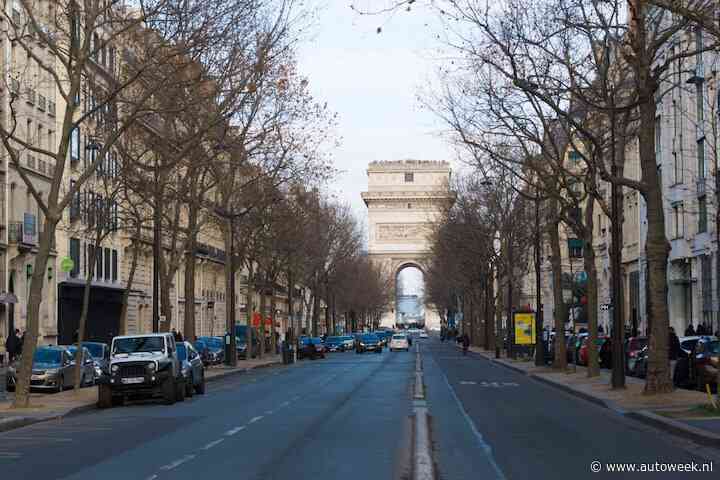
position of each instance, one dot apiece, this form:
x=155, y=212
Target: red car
x=583, y=356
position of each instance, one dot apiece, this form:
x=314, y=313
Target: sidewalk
x=671, y=411
x=44, y=407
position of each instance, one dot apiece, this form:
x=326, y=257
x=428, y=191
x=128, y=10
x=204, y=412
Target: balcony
x=23, y=234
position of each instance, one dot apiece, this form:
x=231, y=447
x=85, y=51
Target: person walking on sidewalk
x=13, y=346
x=465, y=343
x=673, y=351
x=690, y=331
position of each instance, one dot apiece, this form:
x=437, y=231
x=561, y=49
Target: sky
x=372, y=81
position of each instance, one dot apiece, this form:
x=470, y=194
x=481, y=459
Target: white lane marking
x=296, y=398
x=212, y=444
x=269, y=412
x=153, y=477
x=177, y=463
x=284, y=404
x=467, y=382
x=256, y=419
x=235, y=430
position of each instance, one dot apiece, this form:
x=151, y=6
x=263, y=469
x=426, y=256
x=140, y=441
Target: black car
x=368, y=343
x=691, y=367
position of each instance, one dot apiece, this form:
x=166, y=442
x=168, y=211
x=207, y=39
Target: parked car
x=640, y=365
x=368, y=342
x=399, y=341
x=216, y=349
x=633, y=347
x=334, y=344
x=192, y=367
x=348, y=342
x=142, y=365
x=52, y=369
x=302, y=346
x=693, y=369
x=203, y=350
x=100, y=353
x=88, y=375
x=314, y=348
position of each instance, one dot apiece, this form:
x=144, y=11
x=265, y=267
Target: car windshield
x=181, y=351
x=304, y=340
x=200, y=345
x=47, y=355
x=316, y=341
x=399, y=337
x=95, y=349
x=333, y=340
x=213, y=342
x=370, y=338
x=689, y=344
x=137, y=345
x=348, y=337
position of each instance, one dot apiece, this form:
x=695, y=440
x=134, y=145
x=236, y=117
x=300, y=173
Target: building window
x=409, y=177
x=98, y=263
x=702, y=214
x=75, y=144
x=114, y=265
x=409, y=206
x=75, y=256
x=701, y=158
x=107, y=264
x=678, y=222
x=575, y=248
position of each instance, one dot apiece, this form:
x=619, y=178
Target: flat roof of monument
x=408, y=164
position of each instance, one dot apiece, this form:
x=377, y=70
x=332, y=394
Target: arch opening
x=409, y=296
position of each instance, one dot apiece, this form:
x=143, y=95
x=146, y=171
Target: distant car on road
x=52, y=369
x=335, y=344
x=368, y=342
x=399, y=341
x=423, y=334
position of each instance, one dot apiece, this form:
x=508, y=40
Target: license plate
x=133, y=380
x=36, y=377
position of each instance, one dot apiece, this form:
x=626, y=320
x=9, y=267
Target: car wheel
x=60, y=385
x=168, y=391
x=105, y=398
x=200, y=388
x=189, y=388
x=180, y=391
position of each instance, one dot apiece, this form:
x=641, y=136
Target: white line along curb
x=423, y=464
x=419, y=393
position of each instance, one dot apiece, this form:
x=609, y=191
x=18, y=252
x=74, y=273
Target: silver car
x=89, y=374
x=192, y=367
x=52, y=370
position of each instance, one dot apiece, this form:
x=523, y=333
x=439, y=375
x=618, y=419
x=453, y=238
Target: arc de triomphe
x=404, y=200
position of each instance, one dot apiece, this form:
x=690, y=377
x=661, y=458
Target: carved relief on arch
x=388, y=232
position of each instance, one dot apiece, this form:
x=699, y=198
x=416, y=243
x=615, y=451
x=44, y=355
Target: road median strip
x=423, y=467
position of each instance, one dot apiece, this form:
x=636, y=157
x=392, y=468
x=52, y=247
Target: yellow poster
x=525, y=329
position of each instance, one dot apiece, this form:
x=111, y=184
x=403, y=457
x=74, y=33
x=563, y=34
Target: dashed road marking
x=234, y=431
x=256, y=419
x=177, y=463
x=269, y=412
x=284, y=404
x=152, y=477
x=212, y=444
x=467, y=382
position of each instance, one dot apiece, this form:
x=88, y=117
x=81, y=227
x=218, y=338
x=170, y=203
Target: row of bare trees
x=176, y=119
x=533, y=82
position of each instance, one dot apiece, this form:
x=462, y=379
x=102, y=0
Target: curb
x=688, y=431
x=12, y=423
x=423, y=468
x=643, y=416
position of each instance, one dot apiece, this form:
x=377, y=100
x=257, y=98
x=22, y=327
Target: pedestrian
x=11, y=346
x=179, y=337
x=690, y=331
x=673, y=351
x=465, y=343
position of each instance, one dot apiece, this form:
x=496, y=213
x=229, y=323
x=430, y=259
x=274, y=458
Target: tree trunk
x=22, y=389
x=189, y=320
x=291, y=308
x=490, y=310
x=263, y=300
x=657, y=249
x=316, y=311
x=273, y=337
x=560, y=360
x=249, y=313
x=591, y=290
x=77, y=374
x=128, y=286
x=166, y=304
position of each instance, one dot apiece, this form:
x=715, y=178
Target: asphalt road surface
x=491, y=423
x=347, y=417
x=342, y=417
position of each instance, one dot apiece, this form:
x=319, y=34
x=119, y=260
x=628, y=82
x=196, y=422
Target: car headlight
x=114, y=369
x=151, y=366
x=362, y=344
x=98, y=371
